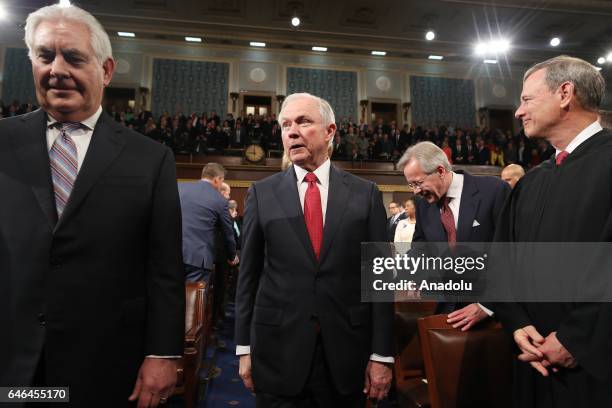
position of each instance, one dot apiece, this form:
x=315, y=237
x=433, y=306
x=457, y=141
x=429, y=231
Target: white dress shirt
x=81, y=136
x=322, y=173
x=582, y=137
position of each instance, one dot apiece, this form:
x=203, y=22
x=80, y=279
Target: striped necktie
x=64, y=165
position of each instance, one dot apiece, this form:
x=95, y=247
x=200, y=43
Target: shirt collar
x=456, y=186
x=90, y=122
x=582, y=137
x=322, y=173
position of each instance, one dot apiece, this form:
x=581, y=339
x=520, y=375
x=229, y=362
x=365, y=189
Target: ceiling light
x=555, y=42
x=295, y=21
x=322, y=49
x=257, y=44
x=436, y=57
x=598, y=68
x=383, y=53
x=609, y=57
x=64, y=3
x=490, y=61
x=481, y=48
x=3, y=13
x=430, y=35
x=499, y=46
x=193, y=39
x=125, y=34
x=601, y=60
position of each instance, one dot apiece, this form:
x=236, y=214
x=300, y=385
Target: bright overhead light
x=125, y=34
x=430, y=35
x=295, y=21
x=490, y=61
x=492, y=47
x=322, y=49
x=609, y=57
x=193, y=39
x=480, y=49
x=383, y=53
x=601, y=60
x=598, y=68
x=436, y=57
x=3, y=13
x=555, y=42
x=64, y=3
x=257, y=44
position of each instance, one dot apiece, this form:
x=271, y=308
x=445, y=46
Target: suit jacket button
x=41, y=319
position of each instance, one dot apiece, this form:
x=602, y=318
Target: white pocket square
x=475, y=224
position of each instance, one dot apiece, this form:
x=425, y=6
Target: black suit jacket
x=283, y=290
x=392, y=227
x=98, y=290
x=482, y=200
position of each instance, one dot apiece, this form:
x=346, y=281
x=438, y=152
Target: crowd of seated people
x=208, y=133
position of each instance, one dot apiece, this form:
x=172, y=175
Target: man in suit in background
x=236, y=221
x=92, y=294
x=455, y=207
x=512, y=173
x=204, y=210
x=300, y=323
x=397, y=214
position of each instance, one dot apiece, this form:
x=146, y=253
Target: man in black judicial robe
x=564, y=347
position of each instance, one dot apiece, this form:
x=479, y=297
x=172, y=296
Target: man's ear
x=567, y=92
x=109, y=69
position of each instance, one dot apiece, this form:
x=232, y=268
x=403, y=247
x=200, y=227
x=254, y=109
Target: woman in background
x=405, y=228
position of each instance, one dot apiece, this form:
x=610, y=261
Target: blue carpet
x=227, y=389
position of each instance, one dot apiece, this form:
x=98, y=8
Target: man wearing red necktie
x=303, y=335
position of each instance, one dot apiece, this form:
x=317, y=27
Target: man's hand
x=555, y=353
x=155, y=383
x=528, y=340
x=234, y=261
x=244, y=370
x=466, y=317
x=377, y=380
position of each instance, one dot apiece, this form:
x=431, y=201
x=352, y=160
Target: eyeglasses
x=417, y=184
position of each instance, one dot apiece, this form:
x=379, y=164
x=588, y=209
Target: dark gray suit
x=283, y=291
x=92, y=294
x=204, y=209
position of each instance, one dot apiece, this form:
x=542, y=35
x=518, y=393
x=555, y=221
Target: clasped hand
x=542, y=353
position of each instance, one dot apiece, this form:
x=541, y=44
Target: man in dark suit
x=204, y=210
x=91, y=286
x=455, y=207
x=397, y=214
x=299, y=318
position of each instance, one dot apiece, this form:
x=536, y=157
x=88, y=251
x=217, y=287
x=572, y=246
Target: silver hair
x=428, y=155
x=100, y=42
x=588, y=81
x=325, y=109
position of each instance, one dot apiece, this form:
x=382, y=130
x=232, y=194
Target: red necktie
x=561, y=157
x=313, y=214
x=448, y=222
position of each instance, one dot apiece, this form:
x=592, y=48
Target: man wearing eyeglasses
x=455, y=207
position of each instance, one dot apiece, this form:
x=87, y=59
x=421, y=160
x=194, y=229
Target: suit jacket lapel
x=105, y=146
x=433, y=223
x=289, y=199
x=337, y=199
x=31, y=149
x=467, y=209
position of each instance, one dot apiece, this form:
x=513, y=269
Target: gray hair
x=588, y=81
x=428, y=155
x=325, y=109
x=605, y=119
x=232, y=205
x=99, y=40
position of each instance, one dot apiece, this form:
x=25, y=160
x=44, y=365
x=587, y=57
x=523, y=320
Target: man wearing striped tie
x=91, y=279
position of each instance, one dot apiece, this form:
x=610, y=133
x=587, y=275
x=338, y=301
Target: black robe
x=567, y=203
